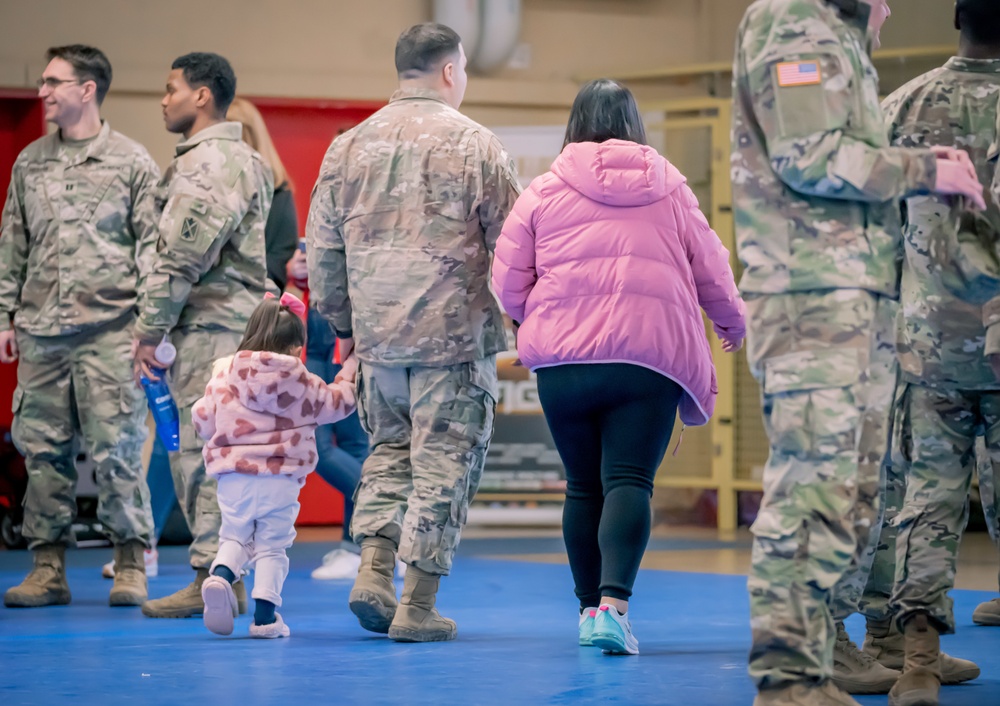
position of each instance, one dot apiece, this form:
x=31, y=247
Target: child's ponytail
x=275, y=326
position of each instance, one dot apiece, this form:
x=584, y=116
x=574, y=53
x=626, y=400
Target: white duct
x=463, y=17
x=499, y=33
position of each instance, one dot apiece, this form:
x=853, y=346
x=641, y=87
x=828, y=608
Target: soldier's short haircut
x=980, y=20
x=421, y=48
x=604, y=110
x=213, y=72
x=89, y=64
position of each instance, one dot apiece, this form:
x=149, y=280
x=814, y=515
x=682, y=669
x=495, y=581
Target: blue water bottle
x=161, y=402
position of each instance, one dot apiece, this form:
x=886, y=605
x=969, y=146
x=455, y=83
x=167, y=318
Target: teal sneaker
x=587, y=626
x=613, y=632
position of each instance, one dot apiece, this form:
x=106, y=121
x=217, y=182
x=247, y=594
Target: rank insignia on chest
x=798, y=73
x=189, y=229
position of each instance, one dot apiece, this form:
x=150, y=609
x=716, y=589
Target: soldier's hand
x=349, y=371
x=958, y=178
x=8, y=346
x=146, y=363
x=995, y=364
x=954, y=154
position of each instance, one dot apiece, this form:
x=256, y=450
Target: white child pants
x=258, y=526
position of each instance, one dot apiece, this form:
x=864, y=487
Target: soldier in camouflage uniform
x=948, y=393
x=78, y=230
x=404, y=217
x=208, y=276
x=815, y=186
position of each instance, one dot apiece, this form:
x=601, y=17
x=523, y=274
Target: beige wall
x=343, y=48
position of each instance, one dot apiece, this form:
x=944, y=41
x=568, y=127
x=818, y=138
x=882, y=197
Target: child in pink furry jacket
x=259, y=417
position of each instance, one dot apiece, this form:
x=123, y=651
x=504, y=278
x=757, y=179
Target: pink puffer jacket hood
x=607, y=259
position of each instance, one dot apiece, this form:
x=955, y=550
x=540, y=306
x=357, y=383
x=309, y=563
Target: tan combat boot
x=886, y=643
x=46, y=584
x=417, y=620
x=987, y=613
x=804, y=695
x=373, y=597
x=856, y=672
x=130, y=587
x=188, y=602
x=921, y=680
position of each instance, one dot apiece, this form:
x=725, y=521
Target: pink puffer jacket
x=260, y=412
x=607, y=259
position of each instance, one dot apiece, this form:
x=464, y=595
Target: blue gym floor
x=516, y=643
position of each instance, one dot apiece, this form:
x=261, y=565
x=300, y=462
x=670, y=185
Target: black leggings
x=611, y=423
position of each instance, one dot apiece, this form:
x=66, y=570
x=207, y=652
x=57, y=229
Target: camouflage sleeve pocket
x=195, y=225
x=811, y=95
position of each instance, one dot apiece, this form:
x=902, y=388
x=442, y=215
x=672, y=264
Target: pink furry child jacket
x=260, y=412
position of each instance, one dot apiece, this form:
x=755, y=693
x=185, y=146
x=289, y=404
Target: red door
x=301, y=131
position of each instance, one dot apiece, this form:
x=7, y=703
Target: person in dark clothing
x=607, y=262
x=281, y=233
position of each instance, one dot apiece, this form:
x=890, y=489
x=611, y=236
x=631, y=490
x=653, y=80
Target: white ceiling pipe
x=500, y=31
x=463, y=17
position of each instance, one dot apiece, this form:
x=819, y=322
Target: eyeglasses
x=54, y=83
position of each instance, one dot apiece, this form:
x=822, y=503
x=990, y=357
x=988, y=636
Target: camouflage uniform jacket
x=941, y=328
x=209, y=270
x=814, y=179
x=404, y=217
x=78, y=233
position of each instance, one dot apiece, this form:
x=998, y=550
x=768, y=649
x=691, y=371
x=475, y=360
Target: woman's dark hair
x=604, y=110
x=273, y=328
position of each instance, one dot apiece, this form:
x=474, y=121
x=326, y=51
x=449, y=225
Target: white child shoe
x=272, y=631
x=220, y=605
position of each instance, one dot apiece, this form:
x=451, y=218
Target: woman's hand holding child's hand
x=731, y=345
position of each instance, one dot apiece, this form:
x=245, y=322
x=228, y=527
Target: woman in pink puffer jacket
x=606, y=264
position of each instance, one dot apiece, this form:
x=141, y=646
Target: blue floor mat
x=517, y=644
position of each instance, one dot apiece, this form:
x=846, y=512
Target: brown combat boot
x=921, y=680
x=886, y=643
x=373, y=597
x=46, y=584
x=130, y=587
x=188, y=602
x=417, y=620
x=804, y=695
x=987, y=613
x=857, y=672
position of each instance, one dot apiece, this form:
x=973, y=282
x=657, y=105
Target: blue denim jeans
x=340, y=464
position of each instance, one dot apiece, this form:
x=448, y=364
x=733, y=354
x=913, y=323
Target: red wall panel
x=21, y=121
x=302, y=130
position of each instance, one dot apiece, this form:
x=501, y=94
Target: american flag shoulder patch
x=798, y=73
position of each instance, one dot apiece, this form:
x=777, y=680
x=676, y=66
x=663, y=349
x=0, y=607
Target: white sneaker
x=338, y=564
x=270, y=632
x=613, y=632
x=220, y=605
x=400, y=569
x=151, y=558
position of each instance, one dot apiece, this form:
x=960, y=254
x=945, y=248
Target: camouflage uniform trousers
x=81, y=381
x=827, y=367
x=430, y=429
x=935, y=436
x=197, y=492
